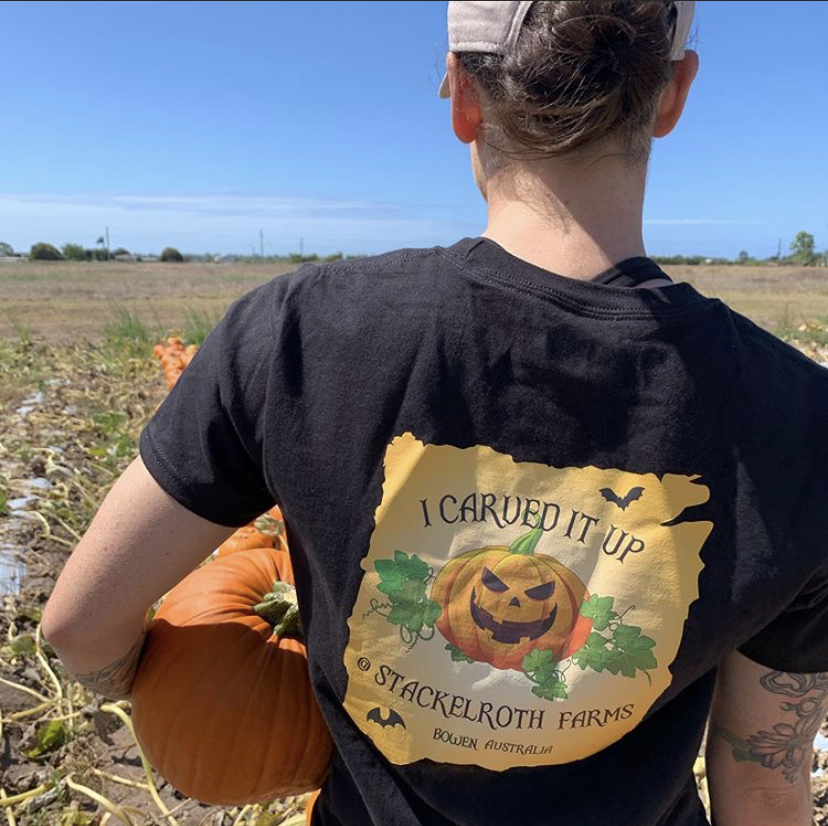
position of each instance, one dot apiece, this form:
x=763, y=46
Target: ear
x=675, y=94
x=466, y=115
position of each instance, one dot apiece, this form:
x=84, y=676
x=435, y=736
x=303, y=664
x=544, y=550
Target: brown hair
x=582, y=70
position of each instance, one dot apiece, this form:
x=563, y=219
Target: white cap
x=493, y=26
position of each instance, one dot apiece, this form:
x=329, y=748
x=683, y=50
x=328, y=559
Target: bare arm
x=140, y=544
x=760, y=743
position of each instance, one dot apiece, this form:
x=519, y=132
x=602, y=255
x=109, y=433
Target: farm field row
x=64, y=302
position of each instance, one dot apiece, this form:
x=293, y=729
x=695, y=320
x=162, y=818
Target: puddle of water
x=12, y=570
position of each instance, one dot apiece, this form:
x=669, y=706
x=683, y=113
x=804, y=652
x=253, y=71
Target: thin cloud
x=224, y=222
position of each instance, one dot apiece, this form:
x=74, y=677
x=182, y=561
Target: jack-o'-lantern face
x=499, y=603
x=513, y=613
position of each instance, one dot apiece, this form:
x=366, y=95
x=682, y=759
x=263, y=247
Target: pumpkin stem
x=527, y=543
x=280, y=608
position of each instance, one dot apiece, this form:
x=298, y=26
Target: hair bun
x=581, y=70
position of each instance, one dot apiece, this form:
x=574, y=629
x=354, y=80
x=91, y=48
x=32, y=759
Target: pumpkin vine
x=614, y=646
x=404, y=580
x=542, y=669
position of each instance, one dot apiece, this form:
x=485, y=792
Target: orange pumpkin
x=222, y=701
x=244, y=539
x=267, y=531
x=499, y=603
x=309, y=807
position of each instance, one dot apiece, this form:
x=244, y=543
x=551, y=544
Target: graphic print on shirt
x=514, y=613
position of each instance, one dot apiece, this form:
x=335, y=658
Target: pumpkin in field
x=309, y=807
x=499, y=603
x=268, y=531
x=222, y=701
x=174, y=357
x=244, y=539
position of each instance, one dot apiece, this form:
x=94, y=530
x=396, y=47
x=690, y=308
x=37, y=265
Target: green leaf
x=626, y=636
x=390, y=575
x=592, y=654
x=431, y=612
x=411, y=590
x=30, y=613
x=599, y=610
x=632, y=652
x=541, y=668
x=22, y=646
x=48, y=737
x=537, y=659
x=403, y=578
x=411, y=566
x=72, y=817
x=408, y=614
x=457, y=655
x=551, y=691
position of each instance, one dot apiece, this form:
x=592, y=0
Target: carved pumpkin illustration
x=499, y=603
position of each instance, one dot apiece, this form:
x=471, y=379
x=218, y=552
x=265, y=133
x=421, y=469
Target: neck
x=573, y=218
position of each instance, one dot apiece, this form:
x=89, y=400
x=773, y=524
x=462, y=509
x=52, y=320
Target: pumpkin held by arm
x=222, y=700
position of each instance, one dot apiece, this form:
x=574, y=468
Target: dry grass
x=777, y=298
x=67, y=301
x=63, y=301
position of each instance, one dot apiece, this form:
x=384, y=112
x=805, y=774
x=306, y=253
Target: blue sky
x=195, y=124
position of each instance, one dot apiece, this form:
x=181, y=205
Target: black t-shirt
x=528, y=515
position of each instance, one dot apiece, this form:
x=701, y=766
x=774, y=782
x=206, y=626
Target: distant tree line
x=802, y=252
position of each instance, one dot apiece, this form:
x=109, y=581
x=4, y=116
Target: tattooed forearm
x=115, y=680
x=788, y=746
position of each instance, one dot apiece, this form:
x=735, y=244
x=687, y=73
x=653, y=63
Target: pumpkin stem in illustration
x=281, y=609
x=527, y=543
x=500, y=603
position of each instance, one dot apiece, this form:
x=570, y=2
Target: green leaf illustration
x=537, y=659
x=552, y=690
x=411, y=566
x=403, y=579
x=390, y=575
x=592, y=653
x=431, y=612
x=457, y=655
x=599, y=610
x=632, y=652
x=409, y=614
x=411, y=590
x=541, y=667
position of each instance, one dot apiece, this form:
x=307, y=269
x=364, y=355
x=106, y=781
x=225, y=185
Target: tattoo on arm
x=789, y=745
x=115, y=680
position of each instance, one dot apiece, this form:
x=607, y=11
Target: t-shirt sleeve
x=205, y=443
x=797, y=639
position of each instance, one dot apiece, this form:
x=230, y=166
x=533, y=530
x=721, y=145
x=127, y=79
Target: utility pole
x=107, y=243
x=301, y=246
x=261, y=243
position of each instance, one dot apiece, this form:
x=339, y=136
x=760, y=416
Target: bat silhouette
x=611, y=496
x=393, y=719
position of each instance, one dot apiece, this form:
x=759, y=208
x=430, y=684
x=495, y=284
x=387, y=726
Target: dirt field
x=64, y=302
x=72, y=414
